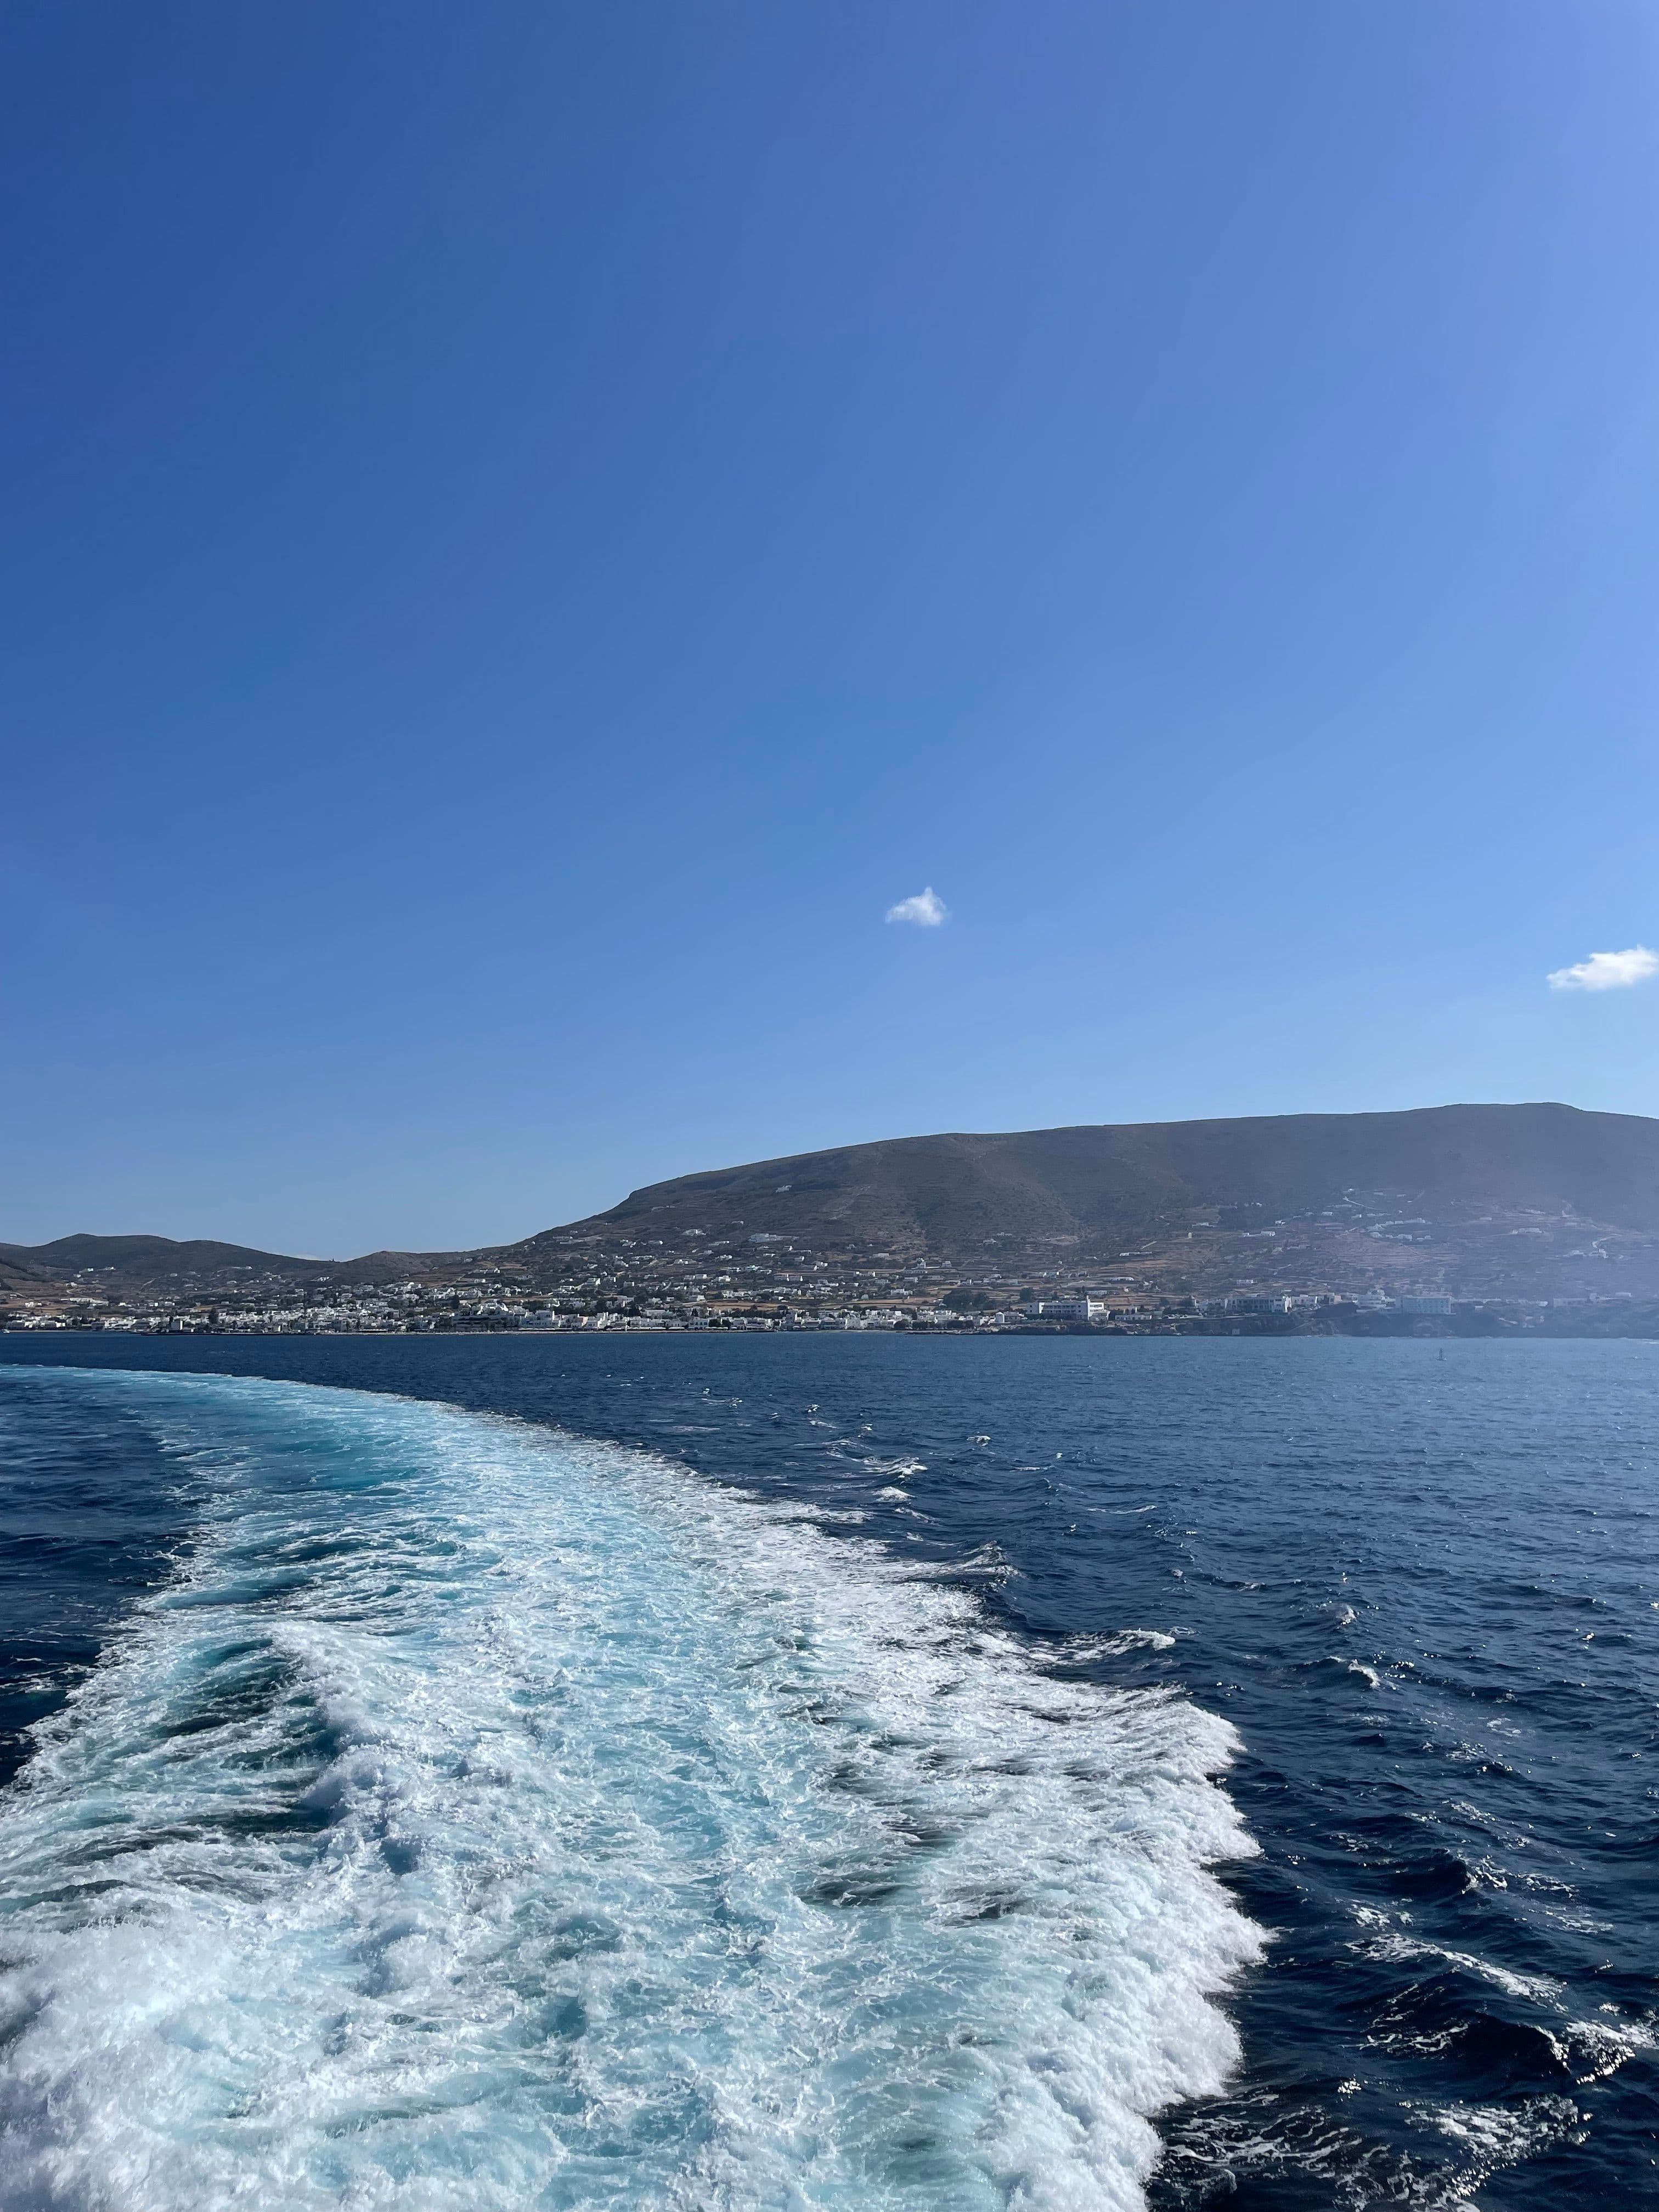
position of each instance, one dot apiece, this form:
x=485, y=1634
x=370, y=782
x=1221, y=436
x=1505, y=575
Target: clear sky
x=531, y=527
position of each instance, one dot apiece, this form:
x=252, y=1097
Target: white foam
x=493, y=1819
x=1494, y=2137
x=1590, y=2050
x=1538, y=1988
x=1083, y=1648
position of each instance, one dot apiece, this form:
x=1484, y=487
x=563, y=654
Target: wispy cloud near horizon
x=926, y=909
x=1607, y=971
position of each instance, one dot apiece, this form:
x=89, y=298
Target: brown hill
x=1494, y=1201
x=139, y=1266
x=1491, y=1200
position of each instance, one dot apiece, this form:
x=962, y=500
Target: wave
x=1126, y=1640
x=1405, y=1950
x=489, y=1818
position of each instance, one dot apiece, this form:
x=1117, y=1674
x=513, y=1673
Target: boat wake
x=489, y=1818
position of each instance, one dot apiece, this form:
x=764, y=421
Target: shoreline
x=1481, y=1325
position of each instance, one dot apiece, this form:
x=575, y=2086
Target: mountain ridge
x=1095, y=1182
x=1534, y=1198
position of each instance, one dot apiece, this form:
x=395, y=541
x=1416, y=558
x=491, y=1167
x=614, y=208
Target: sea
x=748, y=1774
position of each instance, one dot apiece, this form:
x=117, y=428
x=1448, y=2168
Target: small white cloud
x=1607, y=971
x=926, y=909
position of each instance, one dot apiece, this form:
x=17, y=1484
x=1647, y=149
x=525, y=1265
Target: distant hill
x=951, y=1191
x=1478, y=1180
x=19, y=1278
x=1523, y=1201
x=136, y=1265
x=150, y=1254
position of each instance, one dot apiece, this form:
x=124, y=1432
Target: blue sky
x=529, y=528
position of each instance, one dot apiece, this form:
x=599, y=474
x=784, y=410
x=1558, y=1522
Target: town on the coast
x=1439, y=1221
x=762, y=1282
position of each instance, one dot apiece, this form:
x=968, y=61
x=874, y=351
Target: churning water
x=488, y=1818
x=785, y=1774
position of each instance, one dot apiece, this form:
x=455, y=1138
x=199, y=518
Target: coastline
x=1485, y=1324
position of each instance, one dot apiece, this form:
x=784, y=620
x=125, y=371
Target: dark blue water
x=1422, y=1583
x=91, y=1515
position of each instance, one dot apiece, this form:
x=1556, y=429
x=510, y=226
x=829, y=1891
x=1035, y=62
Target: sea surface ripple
x=839, y=1728
x=485, y=1817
